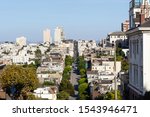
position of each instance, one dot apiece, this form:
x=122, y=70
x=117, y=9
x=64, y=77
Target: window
x=136, y=75
x=131, y=78
x=130, y=49
x=137, y=46
x=141, y=78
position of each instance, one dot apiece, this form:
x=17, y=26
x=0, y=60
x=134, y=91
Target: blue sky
x=81, y=19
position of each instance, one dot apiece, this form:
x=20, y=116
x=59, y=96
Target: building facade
x=139, y=75
x=47, y=36
x=117, y=37
x=139, y=11
x=125, y=26
x=59, y=35
x=21, y=41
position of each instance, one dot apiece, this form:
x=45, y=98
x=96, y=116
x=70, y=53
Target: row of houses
x=100, y=68
x=52, y=60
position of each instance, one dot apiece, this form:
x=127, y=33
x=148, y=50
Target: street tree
x=82, y=80
x=83, y=88
x=83, y=72
x=66, y=86
x=63, y=95
x=68, y=60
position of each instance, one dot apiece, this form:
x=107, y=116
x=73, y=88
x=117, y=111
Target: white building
x=46, y=93
x=139, y=73
x=103, y=65
x=95, y=76
x=21, y=41
x=116, y=37
x=85, y=44
x=20, y=60
x=47, y=36
x=67, y=47
x=58, y=35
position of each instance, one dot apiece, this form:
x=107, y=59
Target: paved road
x=74, y=81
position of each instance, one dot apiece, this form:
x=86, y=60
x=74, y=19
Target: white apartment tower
x=59, y=35
x=21, y=41
x=47, y=36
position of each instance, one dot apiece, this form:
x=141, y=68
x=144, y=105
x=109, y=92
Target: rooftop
x=117, y=33
x=92, y=72
x=146, y=24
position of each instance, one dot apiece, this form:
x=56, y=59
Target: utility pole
x=115, y=77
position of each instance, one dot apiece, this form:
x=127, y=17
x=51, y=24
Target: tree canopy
x=38, y=53
x=66, y=86
x=82, y=80
x=18, y=81
x=63, y=96
x=68, y=60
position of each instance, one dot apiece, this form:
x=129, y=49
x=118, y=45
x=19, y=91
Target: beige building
x=125, y=26
x=46, y=36
x=21, y=41
x=59, y=35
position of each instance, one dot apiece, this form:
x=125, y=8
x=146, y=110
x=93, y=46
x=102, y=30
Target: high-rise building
x=47, y=36
x=125, y=26
x=59, y=35
x=139, y=11
x=21, y=41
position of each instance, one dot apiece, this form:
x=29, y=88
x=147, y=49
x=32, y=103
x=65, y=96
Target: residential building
x=49, y=93
x=125, y=26
x=21, y=41
x=105, y=64
x=139, y=11
x=117, y=37
x=95, y=76
x=105, y=51
x=44, y=74
x=139, y=75
x=59, y=35
x=84, y=45
x=67, y=46
x=47, y=36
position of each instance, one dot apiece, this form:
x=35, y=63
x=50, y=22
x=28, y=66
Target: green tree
x=125, y=65
x=82, y=80
x=111, y=95
x=38, y=53
x=83, y=88
x=119, y=52
x=81, y=62
x=66, y=86
x=63, y=95
x=48, y=83
x=19, y=81
x=82, y=72
x=119, y=58
x=84, y=96
x=67, y=72
x=68, y=60
x=37, y=62
x=30, y=96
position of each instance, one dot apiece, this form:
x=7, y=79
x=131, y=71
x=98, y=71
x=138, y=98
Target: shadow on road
x=76, y=87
